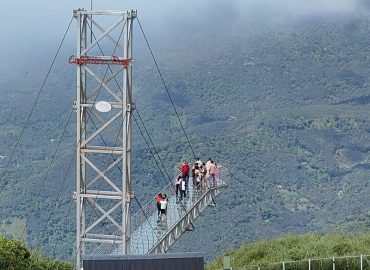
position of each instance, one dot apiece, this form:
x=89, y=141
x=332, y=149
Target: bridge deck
x=151, y=234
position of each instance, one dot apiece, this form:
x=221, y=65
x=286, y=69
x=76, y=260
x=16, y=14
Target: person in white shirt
x=198, y=161
x=163, y=204
x=182, y=189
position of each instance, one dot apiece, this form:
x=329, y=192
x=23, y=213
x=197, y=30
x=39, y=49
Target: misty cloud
x=167, y=15
x=297, y=7
x=39, y=24
x=189, y=10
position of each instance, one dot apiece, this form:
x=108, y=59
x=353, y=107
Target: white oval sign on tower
x=103, y=106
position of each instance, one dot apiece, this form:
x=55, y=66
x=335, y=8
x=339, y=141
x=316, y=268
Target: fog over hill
x=278, y=92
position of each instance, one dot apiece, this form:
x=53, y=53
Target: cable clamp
x=132, y=106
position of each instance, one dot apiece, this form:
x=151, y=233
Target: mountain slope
x=296, y=250
x=283, y=105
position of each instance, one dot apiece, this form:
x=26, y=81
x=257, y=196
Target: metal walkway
x=152, y=235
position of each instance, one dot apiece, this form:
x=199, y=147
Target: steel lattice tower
x=104, y=106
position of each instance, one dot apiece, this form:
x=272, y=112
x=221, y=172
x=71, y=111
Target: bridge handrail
x=146, y=215
x=169, y=189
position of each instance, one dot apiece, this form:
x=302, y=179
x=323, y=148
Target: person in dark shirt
x=159, y=198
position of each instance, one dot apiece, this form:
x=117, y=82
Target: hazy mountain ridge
x=284, y=107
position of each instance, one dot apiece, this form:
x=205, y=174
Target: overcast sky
x=45, y=17
x=28, y=25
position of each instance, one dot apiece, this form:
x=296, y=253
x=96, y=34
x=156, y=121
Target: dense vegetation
x=284, y=105
x=299, y=249
x=15, y=256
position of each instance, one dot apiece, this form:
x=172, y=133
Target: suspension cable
x=28, y=118
x=55, y=202
x=106, y=72
x=64, y=179
x=119, y=168
x=146, y=217
x=46, y=175
x=149, y=148
x=111, y=154
x=35, y=101
x=65, y=223
x=113, y=158
x=142, y=134
x=166, y=88
x=137, y=201
x=57, y=199
x=136, y=109
x=150, y=139
x=100, y=87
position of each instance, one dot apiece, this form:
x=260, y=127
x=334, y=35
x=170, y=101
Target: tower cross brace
x=104, y=96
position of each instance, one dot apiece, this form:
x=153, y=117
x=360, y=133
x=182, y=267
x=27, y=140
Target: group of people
x=204, y=175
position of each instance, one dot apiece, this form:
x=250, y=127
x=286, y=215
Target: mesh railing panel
x=147, y=228
x=339, y=263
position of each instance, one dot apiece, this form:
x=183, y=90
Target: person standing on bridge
x=200, y=177
x=183, y=189
x=178, y=183
x=205, y=175
x=185, y=169
x=195, y=173
x=159, y=198
x=163, y=206
x=208, y=164
x=212, y=172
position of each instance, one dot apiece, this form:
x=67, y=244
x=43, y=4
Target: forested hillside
x=283, y=104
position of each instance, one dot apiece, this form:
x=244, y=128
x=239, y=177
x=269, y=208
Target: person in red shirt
x=159, y=198
x=185, y=169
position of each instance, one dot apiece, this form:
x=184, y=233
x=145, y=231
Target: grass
x=296, y=248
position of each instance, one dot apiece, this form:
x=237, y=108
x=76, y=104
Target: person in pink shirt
x=212, y=171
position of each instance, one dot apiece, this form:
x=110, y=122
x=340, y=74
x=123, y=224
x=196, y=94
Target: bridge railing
x=147, y=228
x=359, y=262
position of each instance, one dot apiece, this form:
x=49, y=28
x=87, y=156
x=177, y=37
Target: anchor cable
x=166, y=87
x=35, y=101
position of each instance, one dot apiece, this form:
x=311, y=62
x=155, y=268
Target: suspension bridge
x=105, y=110
x=151, y=234
x=143, y=232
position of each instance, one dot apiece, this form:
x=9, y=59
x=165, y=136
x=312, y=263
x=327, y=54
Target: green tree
x=13, y=255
